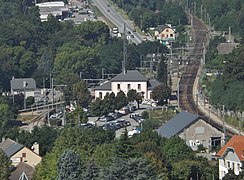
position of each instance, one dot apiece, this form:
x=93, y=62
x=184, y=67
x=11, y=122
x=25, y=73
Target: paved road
x=110, y=13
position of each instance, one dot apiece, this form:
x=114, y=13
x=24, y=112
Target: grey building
x=193, y=129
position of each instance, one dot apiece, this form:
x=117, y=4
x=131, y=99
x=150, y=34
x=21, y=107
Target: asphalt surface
x=111, y=14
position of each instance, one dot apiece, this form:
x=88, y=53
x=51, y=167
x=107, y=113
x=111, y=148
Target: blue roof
x=177, y=124
x=10, y=147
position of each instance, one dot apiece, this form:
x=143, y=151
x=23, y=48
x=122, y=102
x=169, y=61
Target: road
x=112, y=15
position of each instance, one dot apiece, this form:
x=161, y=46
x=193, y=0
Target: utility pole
x=124, y=51
x=24, y=85
x=223, y=112
x=201, y=11
x=52, y=93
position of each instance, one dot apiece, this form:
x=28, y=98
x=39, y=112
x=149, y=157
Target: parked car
x=105, y=118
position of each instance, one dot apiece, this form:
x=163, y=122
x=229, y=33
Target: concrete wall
x=133, y=85
x=103, y=92
x=31, y=158
x=200, y=133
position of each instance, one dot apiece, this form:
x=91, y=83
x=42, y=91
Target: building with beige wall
x=131, y=79
x=194, y=130
x=165, y=34
x=19, y=153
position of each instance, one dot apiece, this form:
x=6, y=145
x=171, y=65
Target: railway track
x=186, y=100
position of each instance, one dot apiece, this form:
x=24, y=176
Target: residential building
x=125, y=81
x=165, y=34
x=22, y=172
x=26, y=86
x=193, y=129
x=231, y=156
x=19, y=153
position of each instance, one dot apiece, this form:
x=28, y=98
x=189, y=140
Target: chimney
x=3, y=139
x=35, y=148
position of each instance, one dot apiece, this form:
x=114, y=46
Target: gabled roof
x=104, y=86
x=160, y=28
x=129, y=76
x=152, y=83
x=22, y=171
x=177, y=124
x=10, y=147
x=236, y=143
x=18, y=84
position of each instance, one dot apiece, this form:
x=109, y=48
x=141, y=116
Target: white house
x=131, y=79
x=25, y=86
x=231, y=156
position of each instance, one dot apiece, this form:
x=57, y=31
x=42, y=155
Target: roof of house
x=129, y=76
x=104, y=86
x=19, y=83
x=177, y=124
x=152, y=83
x=10, y=147
x=20, y=169
x=162, y=27
x=226, y=48
x=236, y=143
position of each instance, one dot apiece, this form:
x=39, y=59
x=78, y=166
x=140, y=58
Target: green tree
x=77, y=116
x=133, y=95
x=162, y=73
x=123, y=147
x=5, y=115
x=69, y=166
x=81, y=94
x=121, y=100
x=92, y=171
x=4, y=166
x=161, y=94
x=133, y=168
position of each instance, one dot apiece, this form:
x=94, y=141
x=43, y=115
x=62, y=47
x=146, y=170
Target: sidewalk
x=208, y=112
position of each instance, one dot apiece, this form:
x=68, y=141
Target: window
x=139, y=87
x=167, y=30
x=118, y=86
x=171, y=35
x=228, y=164
x=233, y=166
x=23, y=154
x=100, y=95
x=238, y=166
x=128, y=86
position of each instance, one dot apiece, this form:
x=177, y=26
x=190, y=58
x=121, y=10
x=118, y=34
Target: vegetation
x=146, y=156
x=148, y=14
x=4, y=165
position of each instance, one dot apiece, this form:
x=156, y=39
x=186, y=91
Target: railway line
x=186, y=94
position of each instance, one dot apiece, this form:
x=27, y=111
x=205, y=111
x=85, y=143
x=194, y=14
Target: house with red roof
x=231, y=156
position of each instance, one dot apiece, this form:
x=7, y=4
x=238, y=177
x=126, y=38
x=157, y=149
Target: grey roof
x=104, y=86
x=152, y=83
x=10, y=147
x=162, y=27
x=18, y=84
x=20, y=169
x=177, y=124
x=129, y=76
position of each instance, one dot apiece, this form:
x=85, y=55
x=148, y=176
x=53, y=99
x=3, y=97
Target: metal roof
x=104, y=86
x=18, y=84
x=129, y=76
x=152, y=83
x=10, y=147
x=177, y=124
